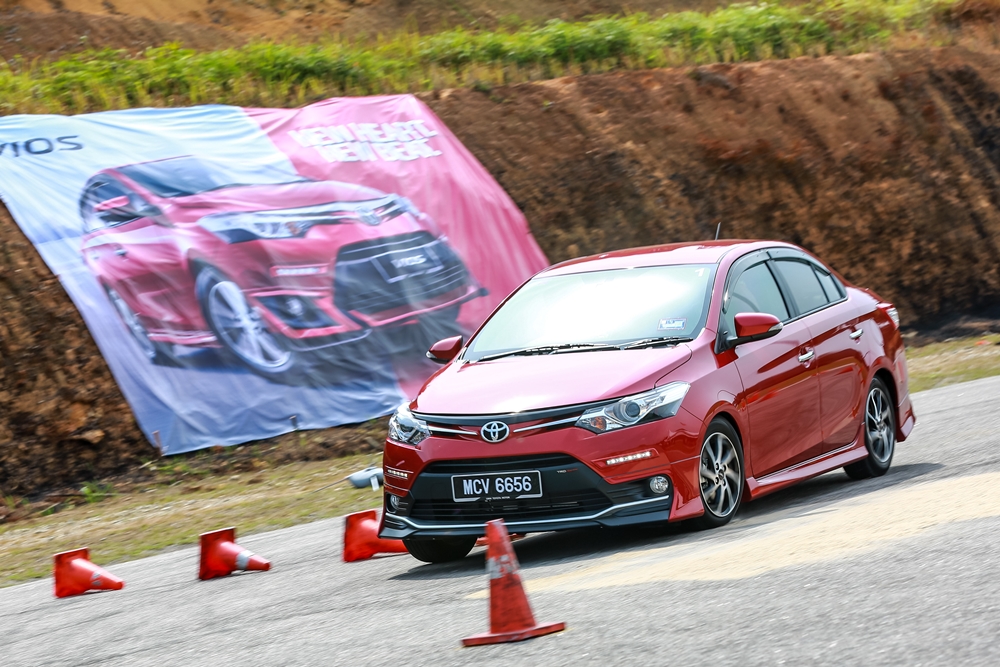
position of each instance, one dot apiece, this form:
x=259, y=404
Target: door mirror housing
x=445, y=350
x=117, y=204
x=754, y=326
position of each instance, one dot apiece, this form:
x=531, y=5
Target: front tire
x=439, y=549
x=721, y=474
x=880, y=434
x=240, y=328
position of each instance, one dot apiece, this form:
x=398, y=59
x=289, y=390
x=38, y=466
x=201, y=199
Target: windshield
x=185, y=176
x=601, y=307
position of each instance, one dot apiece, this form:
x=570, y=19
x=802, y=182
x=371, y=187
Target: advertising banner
x=247, y=272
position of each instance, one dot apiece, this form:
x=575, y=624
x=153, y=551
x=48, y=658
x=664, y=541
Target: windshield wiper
x=550, y=349
x=652, y=342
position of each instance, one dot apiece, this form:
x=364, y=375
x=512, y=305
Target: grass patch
x=283, y=74
x=953, y=361
x=149, y=518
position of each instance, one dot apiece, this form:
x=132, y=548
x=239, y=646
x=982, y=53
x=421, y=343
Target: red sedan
x=656, y=384
x=260, y=261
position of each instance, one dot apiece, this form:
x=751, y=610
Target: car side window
x=755, y=291
x=803, y=283
x=830, y=285
x=103, y=191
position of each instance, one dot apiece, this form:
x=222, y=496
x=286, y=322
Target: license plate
x=497, y=486
x=395, y=266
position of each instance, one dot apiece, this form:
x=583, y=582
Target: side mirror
x=754, y=326
x=445, y=350
x=114, y=204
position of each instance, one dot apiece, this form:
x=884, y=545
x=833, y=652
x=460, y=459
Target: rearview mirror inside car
x=445, y=350
x=754, y=326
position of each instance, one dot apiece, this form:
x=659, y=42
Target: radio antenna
x=718, y=228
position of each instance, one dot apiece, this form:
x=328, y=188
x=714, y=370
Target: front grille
x=566, y=504
x=367, y=281
x=570, y=489
x=473, y=466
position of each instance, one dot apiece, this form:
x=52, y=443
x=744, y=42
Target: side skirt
x=838, y=458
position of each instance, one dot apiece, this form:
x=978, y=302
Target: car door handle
x=803, y=358
x=857, y=334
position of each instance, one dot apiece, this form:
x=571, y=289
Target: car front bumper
x=579, y=488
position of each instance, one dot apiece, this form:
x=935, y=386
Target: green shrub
x=281, y=74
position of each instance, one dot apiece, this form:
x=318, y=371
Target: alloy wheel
x=131, y=321
x=242, y=328
x=878, y=423
x=721, y=476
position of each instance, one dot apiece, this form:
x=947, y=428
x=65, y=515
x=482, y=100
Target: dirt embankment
x=887, y=166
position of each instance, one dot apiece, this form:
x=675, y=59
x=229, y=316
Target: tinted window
x=830, y=285
x=614, y=306
x=185, y=176
x=103, y=191
x=755, y=291
x=807, y=293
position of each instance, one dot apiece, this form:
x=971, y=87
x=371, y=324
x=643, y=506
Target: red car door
x=139, y=258
x=780, y=382
x=838, y=329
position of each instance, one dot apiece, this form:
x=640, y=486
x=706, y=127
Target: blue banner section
x=240, y=281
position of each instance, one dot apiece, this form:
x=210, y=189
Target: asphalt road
x=901, y=570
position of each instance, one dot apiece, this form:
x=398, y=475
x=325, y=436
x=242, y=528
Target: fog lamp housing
x=392, y=502
x=659, y=484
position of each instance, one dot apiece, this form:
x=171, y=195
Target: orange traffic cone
x=511, y=619
x=361, y=540
x=75, y=574
x=221, y=556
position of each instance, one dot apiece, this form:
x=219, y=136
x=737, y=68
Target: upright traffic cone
x=511, y=619
x=221, y=556
x=75, y=574
x=361, y=540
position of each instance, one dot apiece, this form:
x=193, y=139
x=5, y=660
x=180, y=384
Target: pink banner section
x=395, y=144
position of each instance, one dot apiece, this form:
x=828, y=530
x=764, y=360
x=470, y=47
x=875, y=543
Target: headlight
x=656, y=404
x=238, y=226
x=404, y=427
x=252, y=226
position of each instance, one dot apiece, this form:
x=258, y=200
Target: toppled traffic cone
x=361, y=540
x=511, y=619
x=75, y=574
x=221, y=556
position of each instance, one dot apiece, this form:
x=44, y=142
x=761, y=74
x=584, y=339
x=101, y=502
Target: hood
x=515, y=384
x=268, y=198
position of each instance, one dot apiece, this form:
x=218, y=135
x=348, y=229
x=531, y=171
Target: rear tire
x=721, y=475
x=157, y=352
x=880, y=434
x=439, y=549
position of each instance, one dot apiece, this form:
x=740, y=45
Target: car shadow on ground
x=586, y=544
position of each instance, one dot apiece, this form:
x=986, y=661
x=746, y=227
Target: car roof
x=697, y=252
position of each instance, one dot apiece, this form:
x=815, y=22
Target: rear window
x=802, y=281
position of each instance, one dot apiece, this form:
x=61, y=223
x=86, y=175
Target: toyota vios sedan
x=657, y=384
x=261, y=261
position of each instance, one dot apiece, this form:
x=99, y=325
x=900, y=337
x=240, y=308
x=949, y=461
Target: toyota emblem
x=495, y=432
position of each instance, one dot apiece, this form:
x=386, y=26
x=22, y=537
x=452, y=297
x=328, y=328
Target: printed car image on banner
x=247, y=272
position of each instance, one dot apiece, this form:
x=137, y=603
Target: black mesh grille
x=569, y=488
x=473, y=466
x=367, y=280
x=568, y=504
